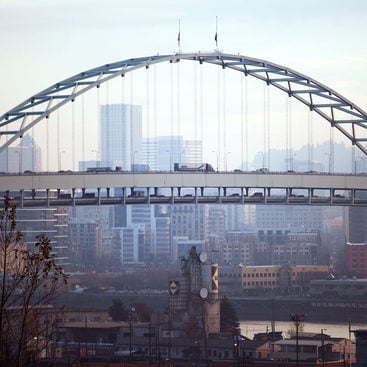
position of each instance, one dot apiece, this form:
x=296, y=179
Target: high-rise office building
x=85, y=238
x=142, y=216
x=121, y=132
x=52, y=222
x=162, y=239
x=162, y=152
x=26, y=156
x=32, y=222
x=191, y=221
x=129, y=237
x=271, y=219
x=234, y=217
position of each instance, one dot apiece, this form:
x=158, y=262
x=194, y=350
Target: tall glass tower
x=121, y=131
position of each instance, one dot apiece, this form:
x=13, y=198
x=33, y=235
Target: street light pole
x=263, y=159
x=131, y=310
x=214, y=151
x=169, y=334
x=323, y=347
x=62, y=152
x=292, y=161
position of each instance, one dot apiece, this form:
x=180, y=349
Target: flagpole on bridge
x=179, y=36
x=216, y=32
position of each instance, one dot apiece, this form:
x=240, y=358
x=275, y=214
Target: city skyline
x=305, y=49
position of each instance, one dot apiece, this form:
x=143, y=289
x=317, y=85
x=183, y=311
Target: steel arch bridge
x=340, y=112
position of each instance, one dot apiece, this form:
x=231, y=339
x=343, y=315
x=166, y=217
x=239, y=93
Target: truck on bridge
x=193, y=167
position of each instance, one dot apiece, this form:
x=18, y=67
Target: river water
x=249, y=328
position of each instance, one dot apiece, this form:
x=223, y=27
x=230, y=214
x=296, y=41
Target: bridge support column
x=172, y=197
x=21, y=198
x=48, y=197
x=241, y=193
x=73, y=195
x=123, y=198
x=99, y=195
x=108, y=192
x=332, y=193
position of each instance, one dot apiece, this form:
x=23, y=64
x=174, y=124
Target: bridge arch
x=340, y=112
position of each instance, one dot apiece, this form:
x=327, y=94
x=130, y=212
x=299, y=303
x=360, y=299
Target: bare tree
x=30, y=279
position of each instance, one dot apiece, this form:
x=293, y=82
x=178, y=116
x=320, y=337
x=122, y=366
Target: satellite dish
x=203, y=257
x=203, y=293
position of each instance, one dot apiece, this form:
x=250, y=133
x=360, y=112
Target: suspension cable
x=264, y=127
x=246, y=125
x=47, y=147
x=58, y=139
x=241, y=120
x=218, y=120
x=172, y=128
x=131, y=119
x=195, y=110
x=201, y=111
x=148, y=109
x=290, y=131
x=74, y=134
x=224, y=127
x=155, y=110
x=287, y=130
x=268, y=124
x=99, y=118
x=83, y=130
x=331, y=150
x=178, y=109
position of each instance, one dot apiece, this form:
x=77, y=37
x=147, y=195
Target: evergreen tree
x=118, y=311
x=228, y=318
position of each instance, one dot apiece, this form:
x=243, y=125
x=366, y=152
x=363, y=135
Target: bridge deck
x=124, y=188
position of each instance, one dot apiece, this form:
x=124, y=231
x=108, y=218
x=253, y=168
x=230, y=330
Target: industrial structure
x=193, y=296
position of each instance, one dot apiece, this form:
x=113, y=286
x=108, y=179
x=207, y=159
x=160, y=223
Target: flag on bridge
x=179, y=40
x=216, y=38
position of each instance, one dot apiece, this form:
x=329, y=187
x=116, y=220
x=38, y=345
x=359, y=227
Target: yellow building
x=283, y=279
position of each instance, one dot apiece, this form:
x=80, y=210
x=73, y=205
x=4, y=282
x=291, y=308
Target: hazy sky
x=45, y=41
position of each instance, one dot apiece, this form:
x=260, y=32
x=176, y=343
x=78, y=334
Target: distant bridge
x=131, y=188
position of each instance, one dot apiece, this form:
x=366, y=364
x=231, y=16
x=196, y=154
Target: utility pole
x=131, y=310
x=297, y=319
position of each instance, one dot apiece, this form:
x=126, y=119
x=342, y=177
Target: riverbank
x=254, y=308
x=316, y=310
